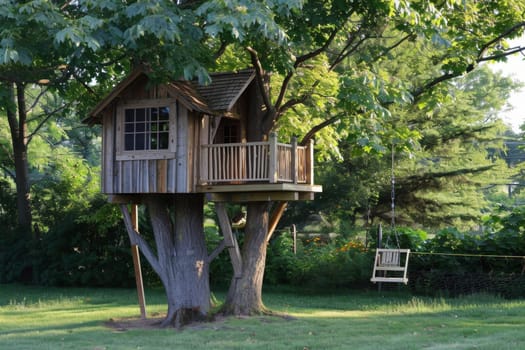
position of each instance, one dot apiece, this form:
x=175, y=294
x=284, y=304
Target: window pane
x=139, y=142
x=164, y=113
x=154, y=114
x=154, y=142
x=163, y=140
x=140, y=127
x=164, y=126
x=140, y=114
x=130, y=115
x=128, y=142
x=129, y=128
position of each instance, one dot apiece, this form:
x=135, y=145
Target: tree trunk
x=245, y=293
x=18, y=130
x=181, y=257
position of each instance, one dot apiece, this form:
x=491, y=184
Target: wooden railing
x=272, y=162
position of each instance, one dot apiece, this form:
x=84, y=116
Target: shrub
x=88, y=250
x=318, y=264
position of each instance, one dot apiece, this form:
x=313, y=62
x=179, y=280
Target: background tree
x=354, y=40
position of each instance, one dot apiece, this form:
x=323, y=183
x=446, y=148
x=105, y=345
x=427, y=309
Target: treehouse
x=181, y=137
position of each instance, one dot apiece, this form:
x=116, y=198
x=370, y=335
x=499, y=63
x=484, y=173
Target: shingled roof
x=225, y=89
x=218, y=96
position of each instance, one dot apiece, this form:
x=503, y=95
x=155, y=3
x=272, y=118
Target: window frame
x=169, y=153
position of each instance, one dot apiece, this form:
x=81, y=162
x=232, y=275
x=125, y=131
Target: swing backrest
x=390, y=257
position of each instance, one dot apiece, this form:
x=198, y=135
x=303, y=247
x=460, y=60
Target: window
x=146, y=130
x=228, y=132
x=231, y=133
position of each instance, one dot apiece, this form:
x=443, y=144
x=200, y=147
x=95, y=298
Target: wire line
x=471, y=255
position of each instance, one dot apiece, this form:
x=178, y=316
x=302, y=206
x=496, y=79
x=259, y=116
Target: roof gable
x=225, y=89
x=218, y=96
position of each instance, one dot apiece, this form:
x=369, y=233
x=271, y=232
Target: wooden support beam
x=274, y=220
x=215, y=253
x=242, y=197
x=229, y=239
x=136, y=264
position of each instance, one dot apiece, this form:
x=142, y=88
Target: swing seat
x=391, y=265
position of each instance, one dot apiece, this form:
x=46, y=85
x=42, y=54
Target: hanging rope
x=393, y=197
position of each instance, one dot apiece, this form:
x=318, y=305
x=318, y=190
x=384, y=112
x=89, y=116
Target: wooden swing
x=391, y=265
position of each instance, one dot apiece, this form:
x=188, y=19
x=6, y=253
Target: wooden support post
x=310, y=162
x=136, y=264
x=294, y=237
x=229, y=239
x=379, y=246
x=274, y=220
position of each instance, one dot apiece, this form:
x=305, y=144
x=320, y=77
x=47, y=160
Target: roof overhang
x=216, y=98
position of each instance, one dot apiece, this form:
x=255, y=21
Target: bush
x=317, y=264
x=463, y=263
x=88, y=250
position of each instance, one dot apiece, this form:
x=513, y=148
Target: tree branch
x=506, y=33
x=220, y=51
x=37, y=99
x=136, y=238
x=8, y=172
x=311, y=133
x=259, y=74
x=300, y=60
x=480, y=58
x=321, y=49
x=45, y=120
x=503, y=54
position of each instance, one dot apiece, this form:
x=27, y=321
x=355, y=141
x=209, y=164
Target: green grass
x=54, y=318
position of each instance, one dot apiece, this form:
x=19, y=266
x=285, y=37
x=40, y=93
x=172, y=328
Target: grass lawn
x=54, y=318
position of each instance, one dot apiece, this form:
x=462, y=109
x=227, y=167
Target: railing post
x=310, y=162
x=204, y=163
x=294, y=160
x=272, y=171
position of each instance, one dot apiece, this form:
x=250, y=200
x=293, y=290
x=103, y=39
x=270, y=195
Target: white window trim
x=169, y=153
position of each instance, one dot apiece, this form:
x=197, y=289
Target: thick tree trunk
x=245, y=293
x=181, y=257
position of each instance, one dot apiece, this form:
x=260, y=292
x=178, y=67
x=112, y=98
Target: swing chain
x=393, y=197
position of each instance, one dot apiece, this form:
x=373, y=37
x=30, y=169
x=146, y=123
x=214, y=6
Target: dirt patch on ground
x=125, y=324
x=154, y=322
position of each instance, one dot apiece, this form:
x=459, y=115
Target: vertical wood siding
x=139, y=176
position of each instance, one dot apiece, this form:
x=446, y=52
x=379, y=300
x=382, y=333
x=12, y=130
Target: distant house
x=181, y=137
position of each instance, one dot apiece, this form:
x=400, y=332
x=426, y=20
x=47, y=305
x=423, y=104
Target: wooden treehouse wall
x=175, y=174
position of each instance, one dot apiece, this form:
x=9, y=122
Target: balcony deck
x=257, y=171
